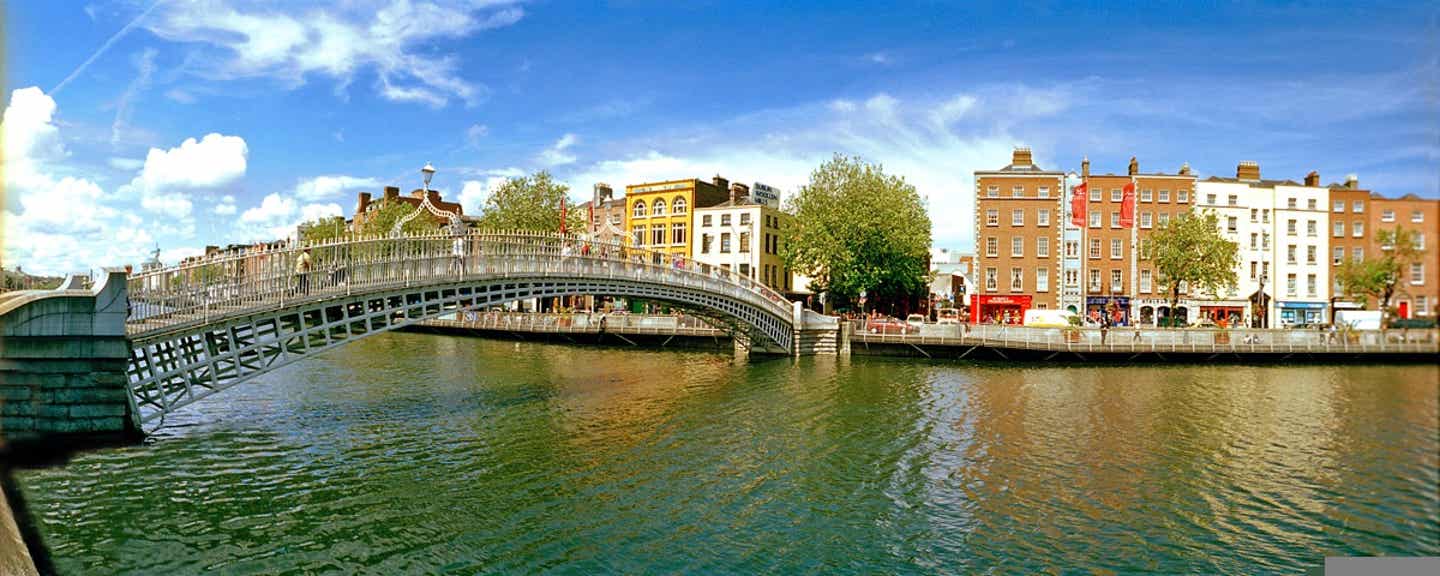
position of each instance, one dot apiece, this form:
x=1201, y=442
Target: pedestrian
x=1104, y=328
x=302, y=271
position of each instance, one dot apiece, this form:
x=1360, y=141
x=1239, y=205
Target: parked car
x=888, y=325
x=948, y=316
x=915, y=320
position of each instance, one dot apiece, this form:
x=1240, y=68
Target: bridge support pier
x=818, y=334
x=63, y=356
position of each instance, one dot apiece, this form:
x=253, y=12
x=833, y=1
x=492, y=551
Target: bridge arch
x=205, y=326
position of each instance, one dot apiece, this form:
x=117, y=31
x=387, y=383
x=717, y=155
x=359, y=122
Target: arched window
x=679, y=206
x=658, y=209
x=639, y=210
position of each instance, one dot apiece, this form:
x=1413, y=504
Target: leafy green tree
x=530, y=203
x=379, y=222
x=1380, y=278
x=323, y=229
x=858, y=228
x=1190, y=251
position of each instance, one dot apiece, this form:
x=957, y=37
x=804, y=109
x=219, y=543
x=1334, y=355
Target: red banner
x=1077, y=204
x=1127, y=207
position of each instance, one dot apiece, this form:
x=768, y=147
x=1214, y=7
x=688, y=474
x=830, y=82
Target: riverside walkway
x=580, y=323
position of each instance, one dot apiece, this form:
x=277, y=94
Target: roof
x=737, y=203
x=1253, y=183
x=1022, y=169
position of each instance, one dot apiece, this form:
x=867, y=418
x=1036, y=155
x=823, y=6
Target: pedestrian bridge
x=200, y=327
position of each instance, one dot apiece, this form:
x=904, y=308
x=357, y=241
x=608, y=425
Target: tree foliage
x=323, y=229
x=1189, y=251
x=1380, y=278
x=858, y=228
x=530, y=203
x=380, y=221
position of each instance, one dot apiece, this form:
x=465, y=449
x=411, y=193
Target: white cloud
x=170, y=177
x=226, y=206
x=323, y=187
x=472, y=196
x=278, y=216
x=475, y=132
x=396, y=39
x=180, y=96
x=126, y=164
x=144, y=68
x=882, y=58
x=556, y=154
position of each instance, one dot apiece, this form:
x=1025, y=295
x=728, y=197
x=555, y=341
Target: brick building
x=1018, y=239
x=1349, y=235
x=1418, y=292
x=606, y=215
x=366, y=206
x=1159, y=198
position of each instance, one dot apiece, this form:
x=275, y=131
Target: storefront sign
x=764, y=194
x=1303, y=305
x=660, y=187
x=1005, y=301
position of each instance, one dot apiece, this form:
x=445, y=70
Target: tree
x=1379, y=278
x=530, y=203
x=1189, y=251
x=323, y=229
x=858, y=228
x=380, y=221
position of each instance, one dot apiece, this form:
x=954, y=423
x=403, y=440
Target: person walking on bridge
x=302, y=272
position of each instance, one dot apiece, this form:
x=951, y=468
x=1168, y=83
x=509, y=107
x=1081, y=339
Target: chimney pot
x=1134, y=166
x=1022, y=156
x=1085, y=167
x=1313, y=178
x=1247, y=170
x=1185, y=169
x=1352, y=181
x=391, y=193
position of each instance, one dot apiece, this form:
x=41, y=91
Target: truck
x=1358, y=319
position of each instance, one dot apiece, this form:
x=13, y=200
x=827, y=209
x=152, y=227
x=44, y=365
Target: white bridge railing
x=273, y=276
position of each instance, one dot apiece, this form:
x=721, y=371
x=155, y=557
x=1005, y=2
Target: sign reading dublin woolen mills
x=766, y=195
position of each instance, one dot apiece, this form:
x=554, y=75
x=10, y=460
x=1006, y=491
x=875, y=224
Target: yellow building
x=659, y=215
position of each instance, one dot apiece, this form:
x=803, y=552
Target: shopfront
x=1000, y=309
x=1301, y=313
x=1227, y=314
x=1117, y=308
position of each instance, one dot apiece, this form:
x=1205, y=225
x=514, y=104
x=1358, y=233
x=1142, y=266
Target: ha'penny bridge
x=116, y=358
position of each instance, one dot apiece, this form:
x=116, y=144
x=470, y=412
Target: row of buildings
x=1047, y=239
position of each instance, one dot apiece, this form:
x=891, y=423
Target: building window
x=1042, y=247
x=744, y=242
x=1117, y=284
x=1115, y=195
x=725, y=243
x=1144, y=281
x=1417, y=216
x=1265, y=241
x=1017, y=217
x=1117, y=247
x=1339, y=206
x=1232, y=224
x=1290, y=284
x=1387, y=215
x=1017, y=246
x=1290, y=253
x=1017, y=280
x=1095, y=219
x=1417, y=273
x=1095, y=192
x=639, y=210
x=1072, y=278
x=705, y=220
x=1338, y=256
x=1265, y=269
x=1042, y=279
x=639, y=235
x=1339, y=229
x=705, y=243
x=1290, y=228
x=1072, y=249
x=1422, y=306
x=1254, y=245
x=1146, y=195
x=724, y=219
x=1254, y=215
x=746, y=270
x=657, y=234
x=992, y=247
x=1310, y=204
x=1309, y=254
x=1094, y=248
x=1114, y=219
x=1042, y=217
x=1357, y=255
x=1181, y=196
x=1210, y=199
x=1310, y=285
x=677, y=233
x=1164, y=218
x=1043, y=191
x=745, y=219
x=1358, y=207
x=1146, y=220
x=990, y=279
x=1252, y=269
x=992, y=191
x=1232, y=200
x=1419, y=240
x=679, y=206
x=992, y=217
x=1357, y=228
x=1311, y=229
x=1094, y=280
x=658, y=208
x=1017, y=192
x=1290, y=203
x=1265, y=215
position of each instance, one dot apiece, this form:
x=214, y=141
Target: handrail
x=276, y=275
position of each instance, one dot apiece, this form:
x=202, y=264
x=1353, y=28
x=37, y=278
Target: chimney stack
x=720, y=183
x=603, y=192
x=1134, y=166
x=738, y=191
x=1352, y=181
x=1312, y=179
x=1247, y=170
x=1185, y=169
x=391, y=194
x=1022, y=157
x=1085, y=167
x=364, y=203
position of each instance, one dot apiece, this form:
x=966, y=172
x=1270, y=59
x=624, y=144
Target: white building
x=1302, y=260
x=745, y=238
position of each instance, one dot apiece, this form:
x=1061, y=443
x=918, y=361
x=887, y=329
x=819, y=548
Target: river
x=416, y=453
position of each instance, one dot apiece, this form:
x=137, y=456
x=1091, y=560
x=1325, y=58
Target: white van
x=1048, y=318
x=1358, y=319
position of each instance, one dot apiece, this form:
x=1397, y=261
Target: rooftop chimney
x=720, y=183
x=1085, y=167
x=391, y=193
x=1022, y=156
x=1352, y=181
x=1134, y=166
x=1247, y=170
x=738, y=191
x=1185, y=169
x=1312, y=179
x=364, y=202
x=603, y=192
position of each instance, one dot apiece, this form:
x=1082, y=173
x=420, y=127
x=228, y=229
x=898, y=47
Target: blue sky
x=132, y=123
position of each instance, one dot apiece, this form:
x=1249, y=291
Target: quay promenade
x=582, y=328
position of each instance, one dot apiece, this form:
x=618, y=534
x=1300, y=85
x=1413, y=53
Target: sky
x=135, y=124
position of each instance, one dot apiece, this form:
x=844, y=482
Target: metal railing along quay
x=272, y=277
x=580, y=323
x=1122, y=340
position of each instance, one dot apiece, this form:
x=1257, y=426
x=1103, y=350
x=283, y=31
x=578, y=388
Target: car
x=948, y=316
x=888, y=325
x=915, y=320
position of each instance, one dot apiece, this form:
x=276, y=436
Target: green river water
x=421, y=454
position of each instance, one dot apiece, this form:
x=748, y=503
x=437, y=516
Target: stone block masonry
x=63, y=356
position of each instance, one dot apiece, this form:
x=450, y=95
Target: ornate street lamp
x=426, y=206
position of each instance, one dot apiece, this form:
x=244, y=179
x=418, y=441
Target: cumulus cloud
x=556, y=154
x=278, y=217
x=225, y=207
x=394, y=38
x=323, y=187
x=170, y=177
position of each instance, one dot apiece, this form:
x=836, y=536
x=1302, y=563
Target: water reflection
x=411, y=453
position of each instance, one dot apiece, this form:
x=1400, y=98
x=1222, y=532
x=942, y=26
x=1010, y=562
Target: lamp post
x=426, y=206
x=427, y=172
x=1264, y=306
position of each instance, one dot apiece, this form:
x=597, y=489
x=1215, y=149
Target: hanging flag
x=1077, y=204
x=1127, y=207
